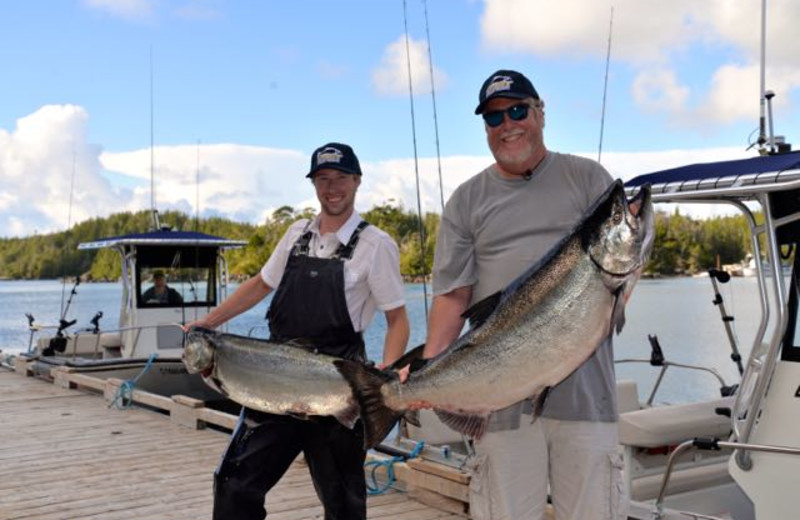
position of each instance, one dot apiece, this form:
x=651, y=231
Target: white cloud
x=658, y=90
x=651, y=36
x=242, y=182
x=390, y=78
x=642, y=31
x=38, y=161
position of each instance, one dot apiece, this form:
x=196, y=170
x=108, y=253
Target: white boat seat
x=669, y=425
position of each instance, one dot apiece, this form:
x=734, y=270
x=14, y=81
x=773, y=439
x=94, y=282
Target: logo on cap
x=329, y=155
x=498, y=84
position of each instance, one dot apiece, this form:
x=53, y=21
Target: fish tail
x=366, y=382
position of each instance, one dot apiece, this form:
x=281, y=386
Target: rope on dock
x=373, y=488
x=123, y=399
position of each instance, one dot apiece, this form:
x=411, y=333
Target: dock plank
x=65, y=454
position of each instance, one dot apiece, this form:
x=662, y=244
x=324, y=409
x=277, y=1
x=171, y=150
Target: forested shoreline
x=683, y=246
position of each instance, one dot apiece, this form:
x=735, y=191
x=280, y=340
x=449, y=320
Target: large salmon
x=531, y=335
x=271, y=377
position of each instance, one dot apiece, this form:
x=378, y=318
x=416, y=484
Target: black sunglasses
x=515, y=113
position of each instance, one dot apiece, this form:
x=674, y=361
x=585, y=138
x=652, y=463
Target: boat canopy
x=164, y=238
x=740, y=179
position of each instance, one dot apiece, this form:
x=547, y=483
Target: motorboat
x=734, y=458
x=147, y=344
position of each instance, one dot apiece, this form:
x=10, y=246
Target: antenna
x=154, y=211
x=762, y=133
x=197, y=191
x=605, y=86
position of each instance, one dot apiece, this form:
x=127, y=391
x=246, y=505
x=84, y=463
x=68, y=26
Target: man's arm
x=246, y=296
x=397, y=332
x=445, y=321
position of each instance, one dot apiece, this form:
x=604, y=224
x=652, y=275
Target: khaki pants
x=578, y=460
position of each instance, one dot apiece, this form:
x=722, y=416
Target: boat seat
x=668, y=425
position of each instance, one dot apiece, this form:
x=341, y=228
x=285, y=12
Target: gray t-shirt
x=493, y=229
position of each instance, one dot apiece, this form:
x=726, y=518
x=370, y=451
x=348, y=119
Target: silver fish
x=272, y=377
x=530, y=336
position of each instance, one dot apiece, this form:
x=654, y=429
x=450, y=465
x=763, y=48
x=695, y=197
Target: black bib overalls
x=309, y=304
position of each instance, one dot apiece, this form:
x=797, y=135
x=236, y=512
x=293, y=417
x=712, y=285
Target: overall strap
x=300, y=247
x=345, y=251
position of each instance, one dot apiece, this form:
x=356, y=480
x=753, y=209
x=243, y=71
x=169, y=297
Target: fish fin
x=366, y=383
x=412, y=416
x=473, y=425
x=348, y=416
x=538, y=402
x=407, y=358
x=618, y=312
x=480, y=311
x=297, y=415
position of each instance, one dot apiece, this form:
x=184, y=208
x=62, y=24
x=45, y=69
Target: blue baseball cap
x=334, y=155
x=507, y=84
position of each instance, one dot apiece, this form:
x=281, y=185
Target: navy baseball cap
x=337, y=156
x=507, y=84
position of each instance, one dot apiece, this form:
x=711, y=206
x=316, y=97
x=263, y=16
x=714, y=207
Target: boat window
x=165, y=286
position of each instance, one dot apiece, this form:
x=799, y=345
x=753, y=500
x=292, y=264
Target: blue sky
x=244, y=90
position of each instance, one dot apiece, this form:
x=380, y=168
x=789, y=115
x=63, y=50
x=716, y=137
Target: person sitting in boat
x=160, y=292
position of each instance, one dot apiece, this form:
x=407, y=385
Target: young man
x=496, y=225
x=331, y=275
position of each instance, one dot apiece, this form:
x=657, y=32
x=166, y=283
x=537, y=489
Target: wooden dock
x=65, y=454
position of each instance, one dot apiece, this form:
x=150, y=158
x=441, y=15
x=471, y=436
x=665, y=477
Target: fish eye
x=616, y=216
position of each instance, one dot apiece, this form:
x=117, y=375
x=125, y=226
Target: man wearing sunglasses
x=495, y=226
x=331, y=274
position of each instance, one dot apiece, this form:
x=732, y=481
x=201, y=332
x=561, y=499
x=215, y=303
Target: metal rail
x=709, y=444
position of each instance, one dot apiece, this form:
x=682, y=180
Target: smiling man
x=496, y=225
x=332, y=274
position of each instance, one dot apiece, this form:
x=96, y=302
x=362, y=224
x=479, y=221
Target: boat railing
x=665, y=365
x=107, y=338
x=714, y=445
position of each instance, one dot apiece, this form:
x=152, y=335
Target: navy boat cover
x=773, y=164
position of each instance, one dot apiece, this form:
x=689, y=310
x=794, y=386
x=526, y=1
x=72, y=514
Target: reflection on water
x=680, y=311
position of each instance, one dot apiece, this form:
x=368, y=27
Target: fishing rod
x=422, y=238
x=717, y=275
x=605, y=86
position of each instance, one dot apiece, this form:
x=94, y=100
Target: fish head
x=621, y=235
x=198, y=352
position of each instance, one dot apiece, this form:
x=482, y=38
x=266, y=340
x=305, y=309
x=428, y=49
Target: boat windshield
x=164, y=286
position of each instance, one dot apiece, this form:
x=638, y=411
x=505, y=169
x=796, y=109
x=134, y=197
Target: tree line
x=683, y=245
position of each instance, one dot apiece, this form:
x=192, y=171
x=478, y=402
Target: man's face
x=517, y=146
x=159, y=282
x=336, y=191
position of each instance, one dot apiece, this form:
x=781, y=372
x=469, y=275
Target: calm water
x=678, y=310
